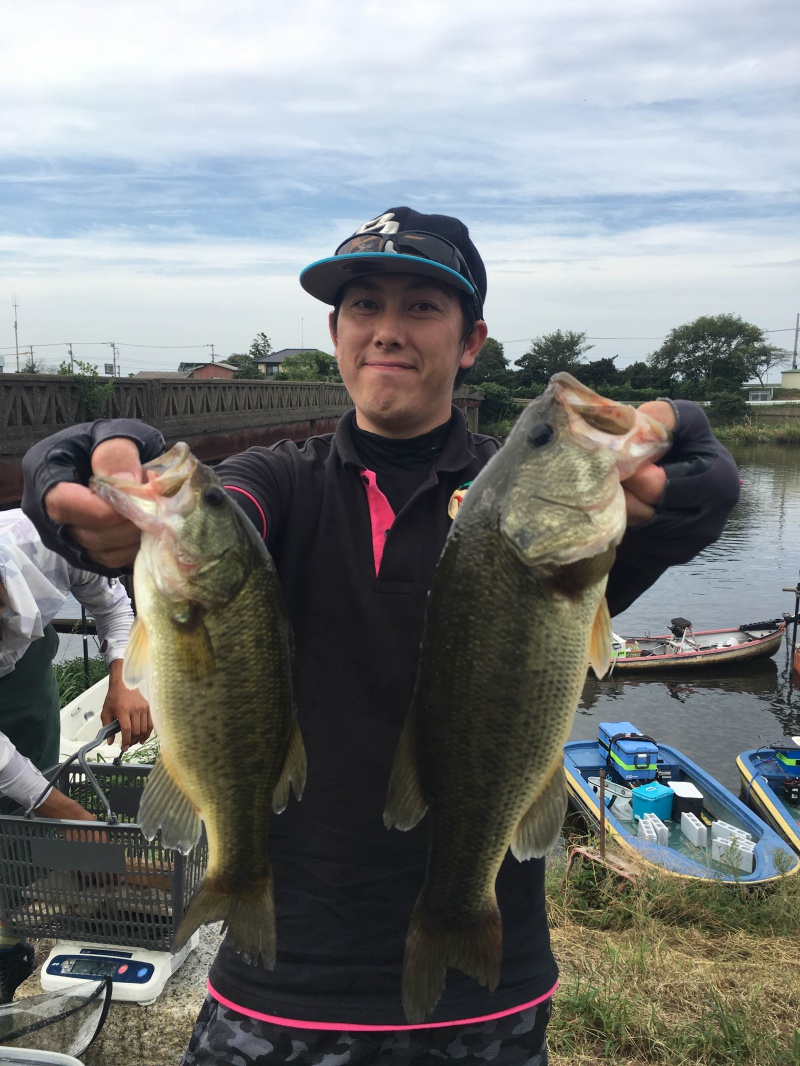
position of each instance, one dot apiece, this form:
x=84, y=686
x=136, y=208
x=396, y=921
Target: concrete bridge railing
x=34, y=405
x=215, y=417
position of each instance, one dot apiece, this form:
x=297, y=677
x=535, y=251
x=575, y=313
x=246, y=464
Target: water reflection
x=713, y=717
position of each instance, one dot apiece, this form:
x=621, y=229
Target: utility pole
x=16, y=337
x=71, y=360
x=796, y=331
x=212, y=352
x=113, y=348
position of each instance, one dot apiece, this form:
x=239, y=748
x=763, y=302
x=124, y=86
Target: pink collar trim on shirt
x=381, y=515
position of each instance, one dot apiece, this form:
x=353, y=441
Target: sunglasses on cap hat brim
x=413, y=248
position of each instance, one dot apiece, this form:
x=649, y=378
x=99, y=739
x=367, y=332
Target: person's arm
x=111, y=608
x=70, y=518
x=676, y=507
x=24, y=784
x=57, y=805
x=126, y=706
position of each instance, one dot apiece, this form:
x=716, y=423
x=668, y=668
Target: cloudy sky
x=169, y=166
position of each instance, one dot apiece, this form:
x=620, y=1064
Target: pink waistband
x=294, y=1023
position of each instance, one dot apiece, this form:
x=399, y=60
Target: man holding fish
x=431, y=943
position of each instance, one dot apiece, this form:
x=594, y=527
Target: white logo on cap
x=381, y=224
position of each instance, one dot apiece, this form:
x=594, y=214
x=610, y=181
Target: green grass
x=71, y=677
x=673, y=970
x=758, y=433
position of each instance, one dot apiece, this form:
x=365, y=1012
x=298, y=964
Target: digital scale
x=137, y=975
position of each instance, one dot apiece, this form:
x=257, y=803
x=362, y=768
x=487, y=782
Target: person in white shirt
x=34, y=583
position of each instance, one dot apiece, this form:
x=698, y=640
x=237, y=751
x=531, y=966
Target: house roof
x=277, y=357
x=162, y=374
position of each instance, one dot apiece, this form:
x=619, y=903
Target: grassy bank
x=71, y=677
x=730, y=433
x=674, y=971
x=758, y=433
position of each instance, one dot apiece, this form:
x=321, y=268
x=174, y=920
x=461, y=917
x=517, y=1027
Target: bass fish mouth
x=141, y=502
x=594, y=421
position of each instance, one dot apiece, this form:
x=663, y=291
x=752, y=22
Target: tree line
x=710, y=359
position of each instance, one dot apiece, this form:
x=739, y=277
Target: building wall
x=212, y=370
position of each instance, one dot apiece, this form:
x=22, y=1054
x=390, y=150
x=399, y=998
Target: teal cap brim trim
x=324, y=278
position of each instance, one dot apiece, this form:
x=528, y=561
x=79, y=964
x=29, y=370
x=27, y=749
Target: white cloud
x=169, y=168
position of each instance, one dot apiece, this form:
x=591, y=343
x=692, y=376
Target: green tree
x=93, y=392
x=641, y=375
x=261, y=346
x=246, y=366
x=599, y=374
x=491, y=365
x=551, y=354
x=719, y=350
x=309, y=365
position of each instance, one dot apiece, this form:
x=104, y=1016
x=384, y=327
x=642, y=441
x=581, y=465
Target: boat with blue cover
x=771, y=785
x=663, y=809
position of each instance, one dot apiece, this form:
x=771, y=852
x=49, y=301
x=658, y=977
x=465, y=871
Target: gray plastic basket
x=103, y=882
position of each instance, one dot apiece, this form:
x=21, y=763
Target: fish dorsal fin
x=136, y=661
x=600, y=640
x=166, y=807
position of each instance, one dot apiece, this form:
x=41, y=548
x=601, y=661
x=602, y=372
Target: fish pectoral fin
x=193, y=648
x=600, y=640
x=137, y=656
x=166, y=807
x=539, y=827
x=293, y=773
x=405, y=802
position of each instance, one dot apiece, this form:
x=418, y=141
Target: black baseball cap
x=402, y=241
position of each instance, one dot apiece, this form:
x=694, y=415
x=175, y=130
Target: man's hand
x=126, y=706
x=110, y=539
x=645, y=488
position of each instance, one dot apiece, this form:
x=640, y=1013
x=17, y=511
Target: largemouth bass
x=210, y=649
x=516, y=612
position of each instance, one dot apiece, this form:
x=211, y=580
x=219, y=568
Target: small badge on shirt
x=457, y=499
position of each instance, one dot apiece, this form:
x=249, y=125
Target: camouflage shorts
x=222, y=1035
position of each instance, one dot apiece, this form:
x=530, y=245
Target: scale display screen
x=88, y=967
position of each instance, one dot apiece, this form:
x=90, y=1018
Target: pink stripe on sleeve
x=254, y=501
x=294, y=1023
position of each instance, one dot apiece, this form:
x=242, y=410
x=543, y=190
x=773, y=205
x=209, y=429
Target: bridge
x=215, y=417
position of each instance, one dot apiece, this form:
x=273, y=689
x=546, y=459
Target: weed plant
x=71, y=677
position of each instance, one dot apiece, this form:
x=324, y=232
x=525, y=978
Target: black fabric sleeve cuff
x=701, y=490
x=67, y=456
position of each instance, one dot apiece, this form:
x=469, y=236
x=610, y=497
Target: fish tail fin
x=248, y=915
x=475, y=948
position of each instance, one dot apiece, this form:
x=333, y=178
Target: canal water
x=713, y=715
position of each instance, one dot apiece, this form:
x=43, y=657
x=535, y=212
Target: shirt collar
x=456, y=454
